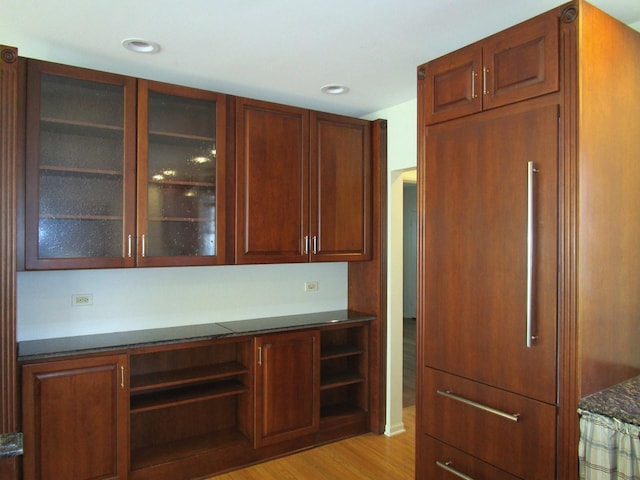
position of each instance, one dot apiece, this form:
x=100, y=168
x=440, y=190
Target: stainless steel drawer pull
x=447, y=466
x=449, y=394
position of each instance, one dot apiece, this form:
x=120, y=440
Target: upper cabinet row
x=499, y=70
x=123, y=172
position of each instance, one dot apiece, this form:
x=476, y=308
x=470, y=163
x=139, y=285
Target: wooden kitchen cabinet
x=190, y=403
x=181, y=409
x=527, y=271
x=272, y=182
x=303, y=184
x=340, y=188
x=82, y=168
x=475, y=249
x=516, y=64
x=74, y=418
x=181, y=176
x=287, y=386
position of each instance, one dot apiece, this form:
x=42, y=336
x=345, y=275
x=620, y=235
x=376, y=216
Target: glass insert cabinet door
x=180, y=180
x=80, y=168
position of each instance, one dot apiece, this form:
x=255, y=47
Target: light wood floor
x=366, y=457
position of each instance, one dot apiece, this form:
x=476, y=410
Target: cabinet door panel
x=181, y=176
x=340, y=188
x=74, y=419
x=521, y=62
x=287, y=386
x=80, y=168
x=453, y=85
x=474, y=283
x=525, y=448
x=272, y=175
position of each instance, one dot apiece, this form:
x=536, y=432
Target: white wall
x=141, y=298
x=402, y=157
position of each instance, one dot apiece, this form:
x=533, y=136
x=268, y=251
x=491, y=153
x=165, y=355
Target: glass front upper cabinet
x=80, y=172
x=93, y=200
x=180, y=177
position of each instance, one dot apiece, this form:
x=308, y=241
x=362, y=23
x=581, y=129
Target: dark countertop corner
x=621, y=401
x=10, y=444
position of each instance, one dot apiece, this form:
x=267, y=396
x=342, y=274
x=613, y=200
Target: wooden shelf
x=180, y=138
x=181, y=183
x=55, y=216
x=339, y=351
x=82, y=128
x=171, y=451
x=154, y=400
x=340, y=410
x=79, y=171
x=186, y=376
x=341, y=379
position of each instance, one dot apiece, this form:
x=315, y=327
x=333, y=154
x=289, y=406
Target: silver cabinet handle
x=447, y=466
x=449, y=394
x=122, y=376
x=315, y=244
x=531, y=244
x=473, y=84
x=306, y=244
x=485, y=90
x=129, y=239
x=259, y=355
x=144, y=245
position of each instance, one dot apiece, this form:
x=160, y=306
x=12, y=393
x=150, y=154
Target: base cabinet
x=192, y=409
x=75, y=419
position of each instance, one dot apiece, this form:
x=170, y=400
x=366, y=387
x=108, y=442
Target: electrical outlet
x=81, y=299
x=311, y=286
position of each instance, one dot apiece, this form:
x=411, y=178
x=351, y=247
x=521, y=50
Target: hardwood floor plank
x=365, y=457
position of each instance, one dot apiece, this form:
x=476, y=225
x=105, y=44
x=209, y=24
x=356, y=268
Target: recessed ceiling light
x=334, y=89
x=139, y=45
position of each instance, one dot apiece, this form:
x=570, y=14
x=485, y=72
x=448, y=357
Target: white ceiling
x=277, y=50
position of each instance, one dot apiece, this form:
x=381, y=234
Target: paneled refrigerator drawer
x=438, y=461
x=512, y=432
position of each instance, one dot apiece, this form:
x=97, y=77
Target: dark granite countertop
x=621, y=401
x=52, y=347
x=10, y=444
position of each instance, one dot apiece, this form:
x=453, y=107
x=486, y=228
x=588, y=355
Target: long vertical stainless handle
x=144, y=245
x=129, y=240
x=122, y=376
x=447, y=466
x=531, y=244
x=514, y=417
x=315, y=244
x=306, y=244
x=259, y=355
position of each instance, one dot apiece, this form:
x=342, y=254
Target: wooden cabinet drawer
x=438, y=461
x=512, y=432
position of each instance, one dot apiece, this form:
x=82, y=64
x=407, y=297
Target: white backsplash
x=141, y=298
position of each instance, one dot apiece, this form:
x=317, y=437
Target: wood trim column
x=368, y=280
x=8, y=174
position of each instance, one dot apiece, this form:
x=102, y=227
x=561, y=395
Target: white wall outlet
x=311, y=286
x=81, y=299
